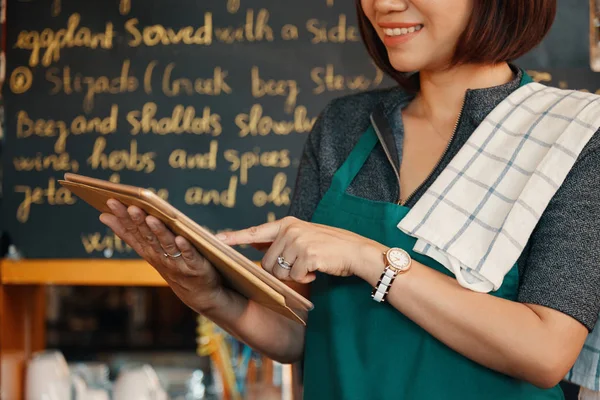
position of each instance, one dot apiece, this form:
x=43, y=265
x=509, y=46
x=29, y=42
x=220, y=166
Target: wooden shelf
x=80, y=272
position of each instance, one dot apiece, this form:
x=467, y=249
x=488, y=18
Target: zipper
x=387, y=153
x=400, y=202
x=395, y=168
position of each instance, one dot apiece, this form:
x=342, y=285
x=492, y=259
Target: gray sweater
x=560, y=266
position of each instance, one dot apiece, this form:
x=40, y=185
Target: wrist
x=222, y=301
x=370, y=262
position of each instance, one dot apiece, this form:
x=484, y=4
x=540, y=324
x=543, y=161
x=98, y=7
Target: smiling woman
x=446, y=228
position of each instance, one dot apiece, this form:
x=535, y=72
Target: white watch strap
x=383, y=286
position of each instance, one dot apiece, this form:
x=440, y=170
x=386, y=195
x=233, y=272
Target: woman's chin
x=405, y=66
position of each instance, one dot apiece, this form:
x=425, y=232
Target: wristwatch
x=397, y=261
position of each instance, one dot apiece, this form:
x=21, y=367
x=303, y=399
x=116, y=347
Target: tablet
x=239, y=272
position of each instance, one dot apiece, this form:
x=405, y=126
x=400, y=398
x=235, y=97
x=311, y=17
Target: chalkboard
x=567, y=45
x=208, y=102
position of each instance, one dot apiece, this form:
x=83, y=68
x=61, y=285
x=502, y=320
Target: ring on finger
x=172, y=255
x=283, y=263
x=176, y=255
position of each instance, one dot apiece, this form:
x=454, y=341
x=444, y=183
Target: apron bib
x=359, y=349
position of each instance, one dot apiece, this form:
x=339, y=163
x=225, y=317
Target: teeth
x=402, y=31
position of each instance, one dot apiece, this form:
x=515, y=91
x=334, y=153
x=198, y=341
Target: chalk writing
x=254, y=30
x=54, y=162
x=211, y=105
x=50, y=195
x=271, y=87
x=204, y=197
x=21, y=80
x=158, y=34
x=212, y=86
x=63, y=81
x=56, y=7
x=279, y=195
x=540, y=76
x=27, y=127
x=289, y=32
x=119, y=160
x=182, y=120
x=255, y=123
x=51, y=43
x=340, y=33
x=327, y=80
x=124, y=7
x=95, y=242
x=233, y=6
x=181, y=159
x=247, y=160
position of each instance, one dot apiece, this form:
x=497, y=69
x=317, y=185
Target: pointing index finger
x=265, y=233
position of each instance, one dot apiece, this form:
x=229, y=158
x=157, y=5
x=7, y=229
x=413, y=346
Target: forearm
x=503, y=335
x=259, y=327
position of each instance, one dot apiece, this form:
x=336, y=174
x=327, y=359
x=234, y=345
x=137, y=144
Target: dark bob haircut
x=497, y=31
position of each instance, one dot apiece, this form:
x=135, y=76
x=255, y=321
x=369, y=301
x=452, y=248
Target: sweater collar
x=478, y=102
x=387, y=117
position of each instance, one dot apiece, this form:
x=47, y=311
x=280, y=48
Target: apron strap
x=525, y=79
x=357, y=158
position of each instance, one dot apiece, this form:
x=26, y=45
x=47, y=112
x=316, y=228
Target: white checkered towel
x=477, y=216
x=586, y=371
x=480, y=212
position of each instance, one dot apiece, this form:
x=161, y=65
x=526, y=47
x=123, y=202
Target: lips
x=398, y=31
x=396, y=34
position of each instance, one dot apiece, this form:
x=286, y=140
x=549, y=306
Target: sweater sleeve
x=562, y=269
x=307, y=192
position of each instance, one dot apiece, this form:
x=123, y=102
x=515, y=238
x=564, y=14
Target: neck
x=442, y=93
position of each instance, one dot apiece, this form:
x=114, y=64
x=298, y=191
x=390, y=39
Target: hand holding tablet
x=240, y=273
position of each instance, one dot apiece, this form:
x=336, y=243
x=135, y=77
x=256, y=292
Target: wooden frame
x=80, y=272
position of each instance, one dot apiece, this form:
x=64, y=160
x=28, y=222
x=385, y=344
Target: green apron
x=359, y=349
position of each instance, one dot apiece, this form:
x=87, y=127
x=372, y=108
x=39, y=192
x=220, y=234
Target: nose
x=387, y=6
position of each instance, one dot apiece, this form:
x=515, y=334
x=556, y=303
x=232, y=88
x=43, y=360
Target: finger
x=165, y=237
x=121, y=213
x=264, y=233
x=269, y=260
x=301, y=273
x=279, y=248
x=115, y=225
x=289, y=256
x=189, y=254
x=195, y=261
x=138, y=216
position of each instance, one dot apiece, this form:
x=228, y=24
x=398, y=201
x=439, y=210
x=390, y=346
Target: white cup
x=96, y=394
x=78, y=387
x=140, y=383
x=47, y=377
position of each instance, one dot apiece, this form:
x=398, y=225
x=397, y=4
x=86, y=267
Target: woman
x=434, y=339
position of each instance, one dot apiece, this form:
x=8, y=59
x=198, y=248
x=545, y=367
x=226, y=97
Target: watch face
x=399, y=259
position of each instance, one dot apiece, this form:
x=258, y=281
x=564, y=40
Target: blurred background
x=209, y=103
